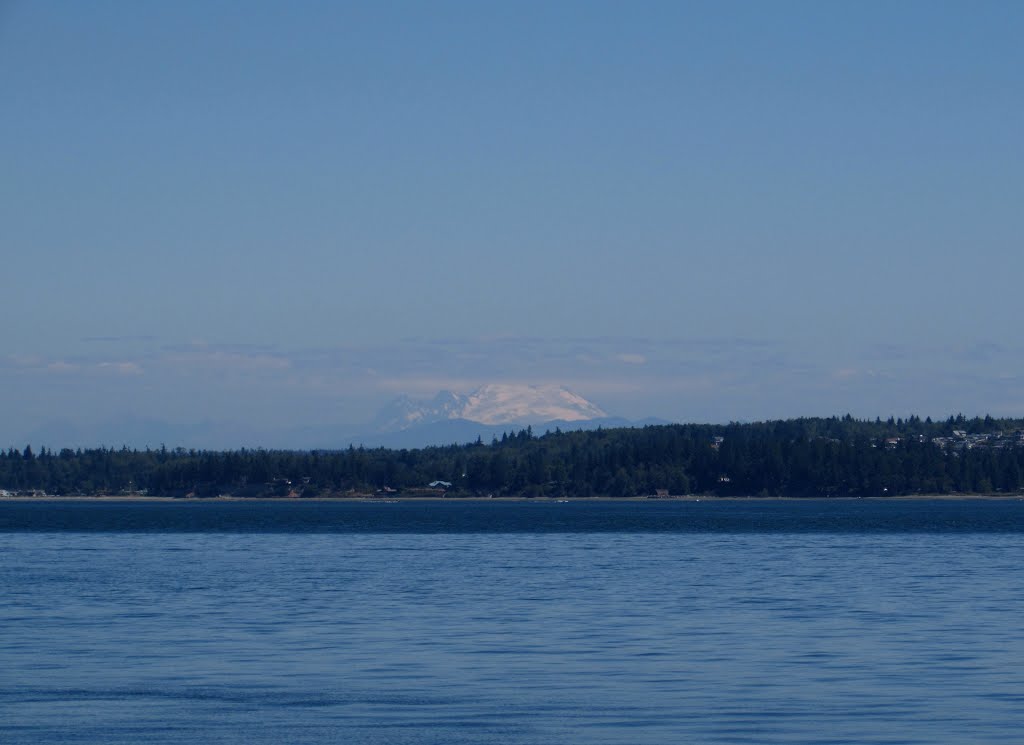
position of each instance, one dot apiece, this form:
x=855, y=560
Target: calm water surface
x=813, y=623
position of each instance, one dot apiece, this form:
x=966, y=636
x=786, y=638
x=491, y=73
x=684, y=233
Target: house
x=440, y=484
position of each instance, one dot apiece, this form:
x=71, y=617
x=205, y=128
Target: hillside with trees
x=810, y=457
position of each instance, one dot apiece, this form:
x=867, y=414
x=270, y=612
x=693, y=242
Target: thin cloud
x=80, y=366
x=118, y=339
x=631, y=358
x=428, y=386
x=120, y=368
x=24, y=360
x=60, y=366
x=982, y=351
x=224, y=359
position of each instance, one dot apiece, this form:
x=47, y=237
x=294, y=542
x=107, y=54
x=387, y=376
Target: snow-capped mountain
x=507, y=404
x=490, y=404
x=488, y=412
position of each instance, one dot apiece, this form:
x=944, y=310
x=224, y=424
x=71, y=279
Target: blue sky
x=241, y=219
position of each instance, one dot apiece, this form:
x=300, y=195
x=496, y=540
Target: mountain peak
x=503, y=403
x=493, y=403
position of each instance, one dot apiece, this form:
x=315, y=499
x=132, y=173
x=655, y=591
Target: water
x=772, y=622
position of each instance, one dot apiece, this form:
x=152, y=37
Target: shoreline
x=552, y=500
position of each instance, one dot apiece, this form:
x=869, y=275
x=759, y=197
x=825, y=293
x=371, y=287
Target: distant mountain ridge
x=462, y=431
x=449, y=417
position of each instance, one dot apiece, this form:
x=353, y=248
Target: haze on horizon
x=229, y=224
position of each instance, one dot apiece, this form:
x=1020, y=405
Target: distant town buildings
x=961, y=440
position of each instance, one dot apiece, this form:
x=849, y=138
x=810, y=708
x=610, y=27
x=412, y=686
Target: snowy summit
x=507, y=404
x=495, y=403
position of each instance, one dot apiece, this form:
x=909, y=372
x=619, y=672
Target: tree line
x=807, y=457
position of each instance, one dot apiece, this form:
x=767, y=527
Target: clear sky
x=237, y=220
